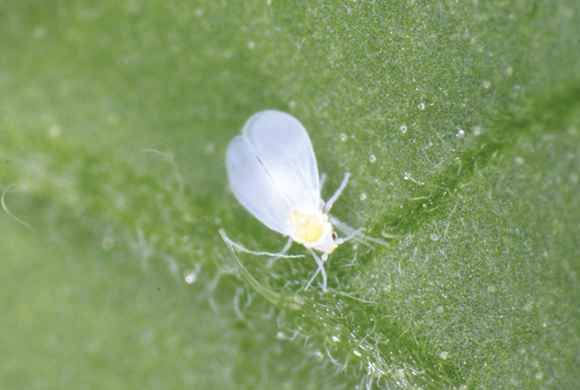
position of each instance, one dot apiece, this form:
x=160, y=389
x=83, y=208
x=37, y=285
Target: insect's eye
x=334, y=236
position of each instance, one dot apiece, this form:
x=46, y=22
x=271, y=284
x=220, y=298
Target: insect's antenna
x=352, y=235
x=357, y=235
x=337, y=193
x=242, y=248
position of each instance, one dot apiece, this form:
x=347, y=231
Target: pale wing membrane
x=284, y=148
x=253, y=187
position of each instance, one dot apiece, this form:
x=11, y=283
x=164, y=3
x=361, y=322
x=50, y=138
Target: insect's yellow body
x=313, y=230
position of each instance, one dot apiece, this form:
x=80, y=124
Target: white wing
x=254, y=188
x=285, y=149
x=272, y=169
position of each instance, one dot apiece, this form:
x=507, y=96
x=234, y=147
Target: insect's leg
x=355, y=234
x=283, y=252
x=322, y=181
x=242, y=248
x=314, y=275
x=321, y=270
x=337, y=193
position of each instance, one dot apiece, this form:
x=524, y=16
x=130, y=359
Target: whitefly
x=273, y=173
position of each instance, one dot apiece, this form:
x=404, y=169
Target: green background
x=460, y=121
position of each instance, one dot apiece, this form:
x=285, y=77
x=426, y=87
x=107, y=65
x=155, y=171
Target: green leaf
x=459, y=121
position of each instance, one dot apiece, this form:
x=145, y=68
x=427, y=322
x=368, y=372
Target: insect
x=273, y=173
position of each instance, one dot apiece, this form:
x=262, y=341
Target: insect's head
x=328, y=242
